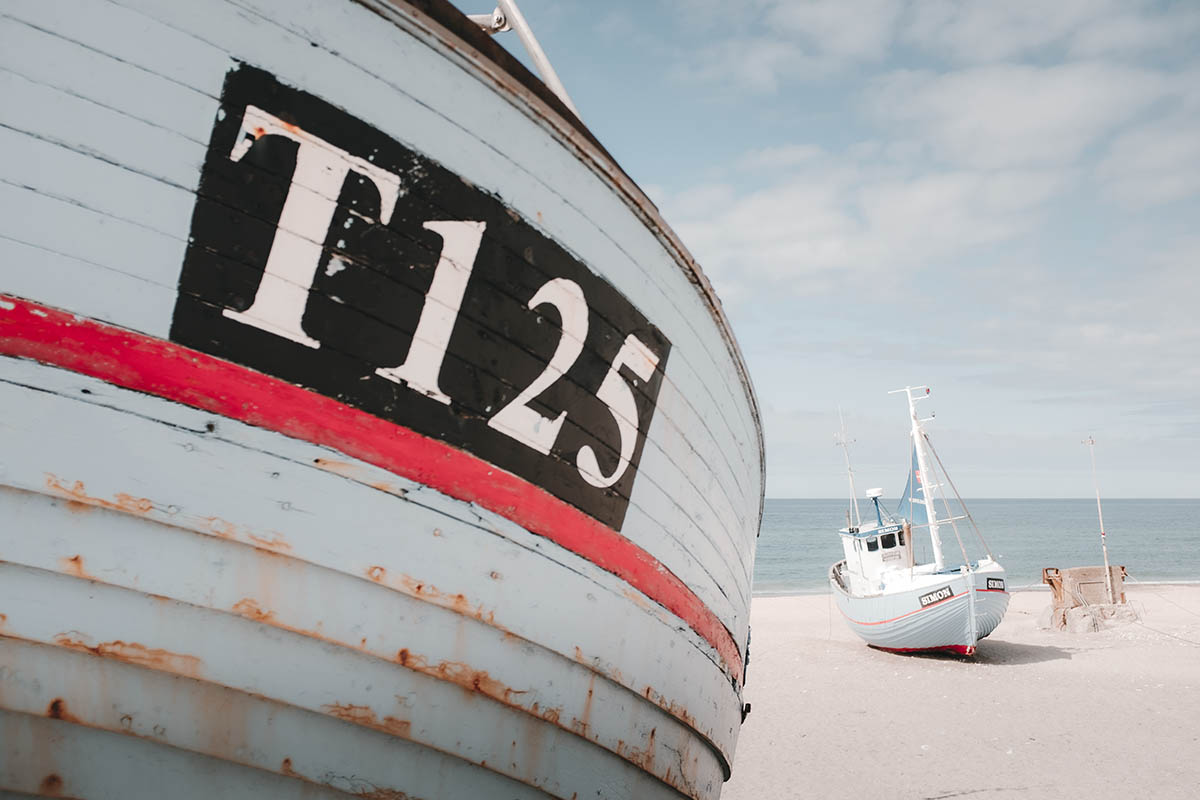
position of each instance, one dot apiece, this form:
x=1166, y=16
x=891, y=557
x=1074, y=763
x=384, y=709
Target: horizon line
x=1090, y=498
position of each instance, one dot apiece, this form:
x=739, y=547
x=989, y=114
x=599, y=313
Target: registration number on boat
x=325, y=253
x=936, y=596
x=996, y=584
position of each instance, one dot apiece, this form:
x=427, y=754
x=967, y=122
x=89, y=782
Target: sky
x=998, y=200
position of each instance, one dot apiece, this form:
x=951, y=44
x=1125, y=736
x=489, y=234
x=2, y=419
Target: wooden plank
x=48, y=113
x=68, y=282
x=146, y=717
x=340, y=611
x=44, y=56
x=276, y=480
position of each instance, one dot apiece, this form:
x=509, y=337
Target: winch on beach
x=366, y=430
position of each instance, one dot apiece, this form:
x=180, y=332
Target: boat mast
x=927, y=489
x=1091, y=443
x=841, y=440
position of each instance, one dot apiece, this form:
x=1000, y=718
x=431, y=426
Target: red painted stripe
x=155, y=366
x=960, y=649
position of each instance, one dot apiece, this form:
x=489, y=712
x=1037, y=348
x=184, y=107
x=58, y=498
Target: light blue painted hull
x=195, y=604
x=897, y=620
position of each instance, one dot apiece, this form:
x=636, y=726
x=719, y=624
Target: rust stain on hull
x=470, y=679
x=276, y=543
x=358, y=475
x=74, y=566
x=58, y=710
x=379, y=793
x=671, y=707
x=51, y=785
x=79, y=500
x=134, y=653
x=222, y=528
x=644, y=758
x=473, y=680
x=457, y=602
x=77, y=493
x=583, y=724
x=365, y=716
x=248, y=607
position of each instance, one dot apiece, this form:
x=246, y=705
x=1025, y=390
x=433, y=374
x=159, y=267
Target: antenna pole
x=1091, y=443
x=845, y=445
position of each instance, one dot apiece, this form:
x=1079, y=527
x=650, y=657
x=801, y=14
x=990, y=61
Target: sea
x=1155, y=540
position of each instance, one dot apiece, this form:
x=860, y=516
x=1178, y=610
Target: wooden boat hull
x=934, y=615
x=269, y=279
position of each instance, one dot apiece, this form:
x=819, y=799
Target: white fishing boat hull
x=284, y=512
x=938, y=612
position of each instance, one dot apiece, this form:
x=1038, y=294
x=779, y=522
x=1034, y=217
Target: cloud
x=859, y=31
x=1127, y=34
x=1013, y=115
x=825, y=220
x=1117, y=327
x=766, y=45
x=757, y=63
x=1154, y=163
x=786, y=156
x=983, y=30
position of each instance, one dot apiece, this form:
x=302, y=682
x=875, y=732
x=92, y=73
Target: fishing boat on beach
x=888, y=598
x=366, y=431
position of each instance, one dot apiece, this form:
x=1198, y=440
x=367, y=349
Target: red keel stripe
x=960, y=649
x=155, y=366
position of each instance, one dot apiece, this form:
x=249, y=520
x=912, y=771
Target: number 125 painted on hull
x=363, y=270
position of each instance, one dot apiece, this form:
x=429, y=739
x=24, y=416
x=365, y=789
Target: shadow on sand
x=995, y=652
x=999, y=652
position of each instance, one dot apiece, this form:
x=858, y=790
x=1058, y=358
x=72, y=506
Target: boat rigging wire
x=937, y=483
x=966, y=510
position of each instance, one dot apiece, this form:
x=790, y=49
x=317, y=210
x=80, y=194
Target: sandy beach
x=1036, y=713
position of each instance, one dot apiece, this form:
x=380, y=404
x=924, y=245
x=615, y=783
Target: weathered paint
x=230, y=597
x=71, y=408
x=186, y=376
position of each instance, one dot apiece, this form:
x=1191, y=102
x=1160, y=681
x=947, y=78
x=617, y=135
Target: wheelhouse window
x=901, y=535
x=888, y=540
x=873, y=544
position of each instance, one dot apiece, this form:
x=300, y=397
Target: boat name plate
x=936, y=596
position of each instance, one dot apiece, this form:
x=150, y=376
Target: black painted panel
x=369, y=290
